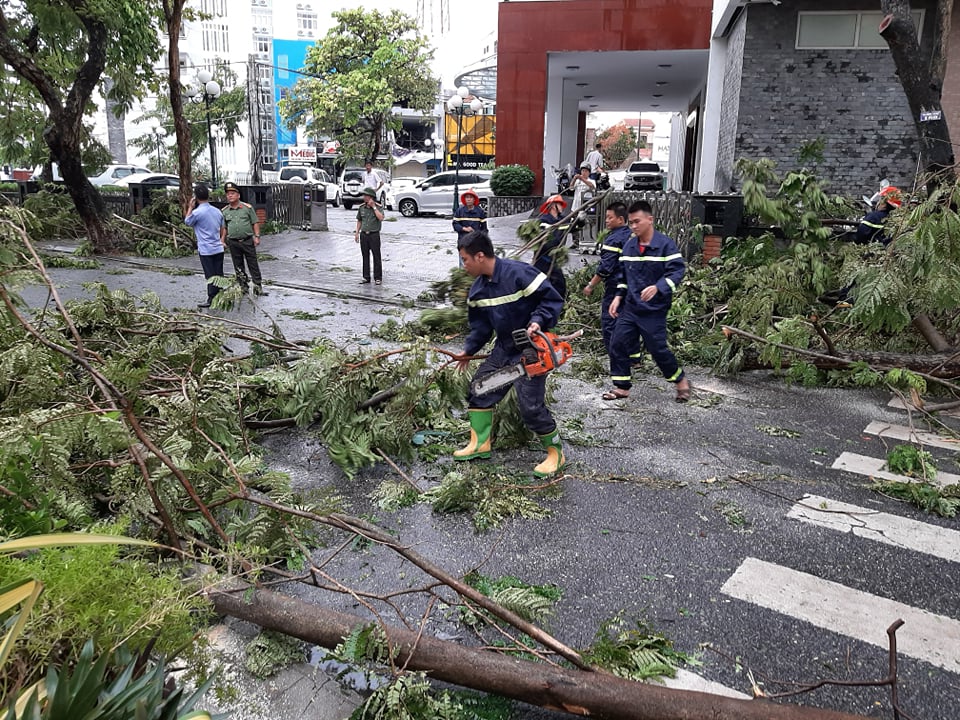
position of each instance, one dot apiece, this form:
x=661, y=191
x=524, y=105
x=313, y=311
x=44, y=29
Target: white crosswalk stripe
x=856, y=614
x=881, y=527
x=874, y=467
x=908, y=434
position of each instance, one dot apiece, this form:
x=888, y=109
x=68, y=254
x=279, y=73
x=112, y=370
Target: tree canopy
x=617, y=142
x=59, y=50
x=367, y=64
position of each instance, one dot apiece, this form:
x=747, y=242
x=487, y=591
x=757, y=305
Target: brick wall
x=850, y=98
x=730, y=105
x=951, y=85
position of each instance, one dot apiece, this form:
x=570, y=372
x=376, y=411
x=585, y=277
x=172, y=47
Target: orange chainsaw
x=540, y=354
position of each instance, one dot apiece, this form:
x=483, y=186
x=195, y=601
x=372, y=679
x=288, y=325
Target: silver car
x=435, y=194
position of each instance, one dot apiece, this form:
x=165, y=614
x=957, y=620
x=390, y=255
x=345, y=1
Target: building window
x=306, y=21
x=216, y=8
x=263, y=45
x=844, y=30
x=216, y=38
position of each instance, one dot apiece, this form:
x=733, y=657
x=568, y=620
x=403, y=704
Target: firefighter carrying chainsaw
x=509, y=296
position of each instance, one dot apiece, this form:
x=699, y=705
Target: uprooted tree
x=135, y=410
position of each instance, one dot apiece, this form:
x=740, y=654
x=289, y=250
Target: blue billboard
x=287, y=55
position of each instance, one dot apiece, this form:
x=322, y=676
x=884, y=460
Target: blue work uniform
x=516, y=295
x=659, y=263
x=609, y=270
x=474, y=218
x=543, y=260
x=872, y=228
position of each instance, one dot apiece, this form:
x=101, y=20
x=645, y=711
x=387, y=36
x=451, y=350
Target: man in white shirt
x=371, y=178
x=595, y=158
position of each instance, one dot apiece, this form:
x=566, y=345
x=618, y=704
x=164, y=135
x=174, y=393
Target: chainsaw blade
x=497, y=379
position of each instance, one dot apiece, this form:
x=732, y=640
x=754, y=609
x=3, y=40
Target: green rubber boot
x=555, y=461
x=479, y=446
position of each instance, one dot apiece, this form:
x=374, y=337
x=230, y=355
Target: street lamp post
x=158, y=133
x=207, y=92
x=456, y=107
x=431, y=142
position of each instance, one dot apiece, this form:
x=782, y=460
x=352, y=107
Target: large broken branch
x=935, y=368
x=592, y=694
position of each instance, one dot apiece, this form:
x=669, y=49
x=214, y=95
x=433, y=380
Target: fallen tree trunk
x=936, y=368
x=593, y=694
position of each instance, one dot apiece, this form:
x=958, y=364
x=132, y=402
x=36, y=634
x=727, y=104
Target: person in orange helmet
x=872, y=227
x=552, y=214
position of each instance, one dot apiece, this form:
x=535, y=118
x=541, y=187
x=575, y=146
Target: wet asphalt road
x=704, y=488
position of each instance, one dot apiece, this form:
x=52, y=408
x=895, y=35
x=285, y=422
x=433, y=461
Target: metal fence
x=299, y=205
x=672, y=212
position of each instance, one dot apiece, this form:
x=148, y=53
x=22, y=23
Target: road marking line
x=897, y=403
x=925, y=636
x=901, y=432
x=686, y=680
x=873, y=467
x=883, y=527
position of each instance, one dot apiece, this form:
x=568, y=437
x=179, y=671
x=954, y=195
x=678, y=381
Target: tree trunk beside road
x=923, y=83
x=593, y=694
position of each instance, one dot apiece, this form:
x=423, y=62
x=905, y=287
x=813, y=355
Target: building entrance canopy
x=629, y=81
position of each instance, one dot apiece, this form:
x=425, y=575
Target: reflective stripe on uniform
x=611, y=248
x=621, y=378
x=670, y=282
x=512, y=297
x=649, y=258
x=876, y=226
x=675, y=376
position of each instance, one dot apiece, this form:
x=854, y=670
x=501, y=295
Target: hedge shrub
x=512, y=180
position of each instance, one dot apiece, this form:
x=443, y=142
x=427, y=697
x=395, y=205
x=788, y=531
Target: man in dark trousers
x=369, y=222
x=207, y=222
x=507, y=295
x=651, y=268
x=608, y=270
x=241, y=234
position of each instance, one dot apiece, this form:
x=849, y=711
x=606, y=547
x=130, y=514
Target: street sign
x=302, y=154
x=930, y=115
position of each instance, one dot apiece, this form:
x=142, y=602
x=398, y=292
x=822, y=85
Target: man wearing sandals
x=651, y=268
x=505, y=296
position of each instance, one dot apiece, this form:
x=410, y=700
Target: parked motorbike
x=563, y=176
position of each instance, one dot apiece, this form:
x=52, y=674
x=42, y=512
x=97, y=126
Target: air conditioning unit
x=299, y=6
x=310, y=33
x=264, y=31
x=300, y=33
x=263, y=2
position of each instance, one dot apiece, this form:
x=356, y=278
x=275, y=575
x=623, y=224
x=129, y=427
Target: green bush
x=512, y=180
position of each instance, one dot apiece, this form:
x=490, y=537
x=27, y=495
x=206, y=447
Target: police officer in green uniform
x=241, y=231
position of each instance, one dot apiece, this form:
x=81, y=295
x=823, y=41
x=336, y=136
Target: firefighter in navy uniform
x=651, y=268
x=469, y=215
x=608, y=270
x=551, y=214
x=872, y=227
x=507, y=295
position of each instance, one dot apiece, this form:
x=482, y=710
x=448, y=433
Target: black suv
x=643, y=175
